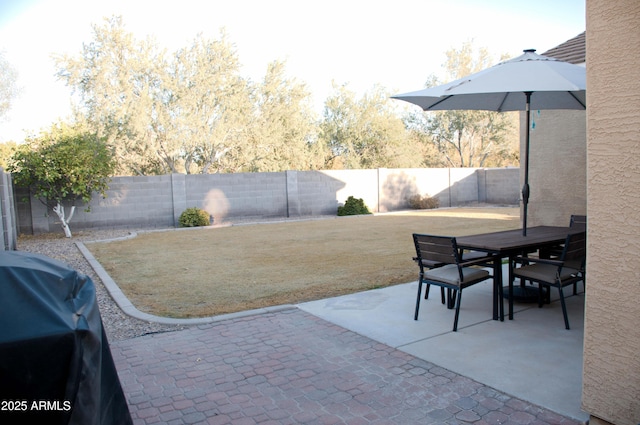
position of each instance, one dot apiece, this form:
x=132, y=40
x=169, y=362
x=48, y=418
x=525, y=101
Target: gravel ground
x=118, y=325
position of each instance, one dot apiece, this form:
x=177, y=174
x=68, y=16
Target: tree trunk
x=59, y=210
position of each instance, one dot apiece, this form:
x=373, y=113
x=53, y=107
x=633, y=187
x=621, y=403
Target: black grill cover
x=55, y=362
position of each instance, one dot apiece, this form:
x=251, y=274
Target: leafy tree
x=192, y=111
x=65, y=164
x=468, y=138
x=6, y=152
x=366, y=132
x=282, y=134
x=416, y=125
x=119, y=83
x=211, y=106
x=163, y=113
x=8, y=88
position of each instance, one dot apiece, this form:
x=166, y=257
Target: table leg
x=499, y=294
x=497, y=290
x=511, y=278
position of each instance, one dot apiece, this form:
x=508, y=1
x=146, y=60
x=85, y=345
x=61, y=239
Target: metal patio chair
x=557, y=272
x=575, y=222
x=441, y=264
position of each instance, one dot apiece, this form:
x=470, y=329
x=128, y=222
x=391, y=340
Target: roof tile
x=572, y=51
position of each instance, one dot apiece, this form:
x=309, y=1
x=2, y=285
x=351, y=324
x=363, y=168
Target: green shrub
x=194, y=217
x=353, y=206
x=423, y=202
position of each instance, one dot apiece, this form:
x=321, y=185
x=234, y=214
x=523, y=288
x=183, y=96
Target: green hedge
x=353, y=206
x=194, y=217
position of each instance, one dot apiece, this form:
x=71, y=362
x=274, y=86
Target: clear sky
x=394, y=43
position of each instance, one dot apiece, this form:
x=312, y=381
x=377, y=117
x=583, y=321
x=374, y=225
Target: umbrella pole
x=525, y=188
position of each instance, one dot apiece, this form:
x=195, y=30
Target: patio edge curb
x=129, y=309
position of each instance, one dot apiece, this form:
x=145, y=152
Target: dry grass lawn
x=209, y=271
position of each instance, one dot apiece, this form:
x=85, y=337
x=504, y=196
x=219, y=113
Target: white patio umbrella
x=528, y=82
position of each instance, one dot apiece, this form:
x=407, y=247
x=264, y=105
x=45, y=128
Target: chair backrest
x=432, y=249
x=575, y=250
x=578, y=221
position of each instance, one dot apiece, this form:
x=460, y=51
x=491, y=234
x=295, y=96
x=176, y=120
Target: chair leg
x=451, y=295
x=510, y=297
x=564, y=308
x=584, y=285
x=540, y=295
x=455, y=321
x=500, y=300
x=415, y=316
x=426, y=294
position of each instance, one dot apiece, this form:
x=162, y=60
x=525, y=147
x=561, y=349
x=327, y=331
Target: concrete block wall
x=496, y=186
x=237, y=195
x=314, y=193
x=463, y=186
x=158, y=201
x=140, y=201
x=24, y=223
x=396, y=185
x=8, y=227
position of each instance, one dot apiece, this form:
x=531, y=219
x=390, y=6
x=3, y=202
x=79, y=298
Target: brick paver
x=291, y=367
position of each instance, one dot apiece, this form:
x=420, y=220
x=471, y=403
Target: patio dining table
x=509, y=244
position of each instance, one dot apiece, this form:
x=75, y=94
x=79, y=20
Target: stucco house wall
x=557, y=166
x=611, y=365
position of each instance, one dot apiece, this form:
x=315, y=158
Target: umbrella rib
x=438, y=102
x=578, y=100
x=504, y=99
